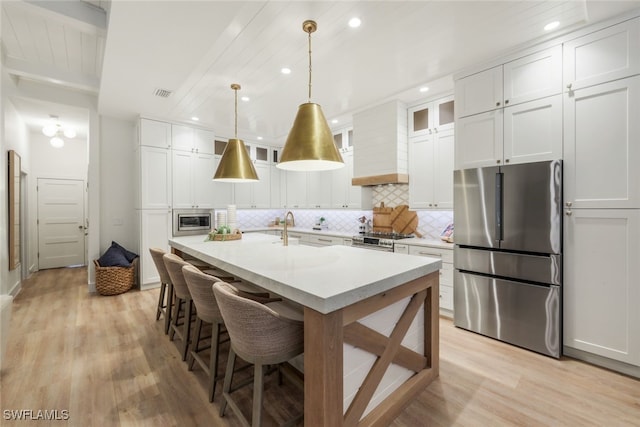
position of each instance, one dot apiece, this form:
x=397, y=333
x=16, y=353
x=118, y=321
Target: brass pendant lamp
x=235, y=164
x=310, y=145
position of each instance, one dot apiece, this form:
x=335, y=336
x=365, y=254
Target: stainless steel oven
x=192, y=221
x=378, y=241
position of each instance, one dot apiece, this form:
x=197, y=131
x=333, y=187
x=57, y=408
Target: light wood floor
x=107, y=361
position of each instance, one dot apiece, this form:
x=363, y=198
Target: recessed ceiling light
x=424, y=89
x=334, y=121
x=285, y=70
x=245, y=98
x=195, y=119
x=354, y=22
x=551, y=25
x=259, y=138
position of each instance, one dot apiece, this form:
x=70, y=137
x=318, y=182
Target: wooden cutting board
x=404, y=221
x=382, y=218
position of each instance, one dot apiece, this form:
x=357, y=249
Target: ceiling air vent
x=162, y=93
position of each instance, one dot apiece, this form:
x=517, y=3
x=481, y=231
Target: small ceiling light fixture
x=424, y=89
x=551, y=25
x=245, y=98
x=355, y=22
x=334, y=121
x=235, y=164
x=285, y=70
x=310, y=145
x=54, y=129
x=195, y=119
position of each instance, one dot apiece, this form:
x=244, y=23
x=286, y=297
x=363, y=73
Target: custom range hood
x=380, y=148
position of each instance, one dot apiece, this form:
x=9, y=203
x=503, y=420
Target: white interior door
x=60, y=223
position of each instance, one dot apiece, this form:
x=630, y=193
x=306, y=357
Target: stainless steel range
x=378, y=240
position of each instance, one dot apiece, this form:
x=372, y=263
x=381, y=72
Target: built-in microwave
x=192, y=221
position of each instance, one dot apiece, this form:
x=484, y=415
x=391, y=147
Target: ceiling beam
x=50, y=75
x=78, y=14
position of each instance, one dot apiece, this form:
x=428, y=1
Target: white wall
x=117, y=177
x=14, y=137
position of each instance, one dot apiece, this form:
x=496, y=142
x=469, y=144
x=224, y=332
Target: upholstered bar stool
x=259, y=335
x=174, y=266
x=166, y=288
x=201, y=288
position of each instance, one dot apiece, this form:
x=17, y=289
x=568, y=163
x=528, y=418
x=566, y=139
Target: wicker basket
x=115, y=280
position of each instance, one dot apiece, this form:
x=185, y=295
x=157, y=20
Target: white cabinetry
x=155, y=134
x=320, y=240
x=446, y=273
x=194, y=140
x=431, y=170
x=319, y=189
x=296, y=186
x=430, y=117
x=400, y=249
x=602, y=149
x=511, y=113
x=345, y=195
x=606, y=55
x=155, y=178
x=155, y=231
x=193, y=186
x=255, y=194
x=601, y=287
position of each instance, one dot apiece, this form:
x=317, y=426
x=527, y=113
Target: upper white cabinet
x=296, y=189
x=601, y=288
x=255, y=194
x=155, y=177
x=606, y=55
x=531, y=77
x=343, y=139
x=429, y=117
x=518, y=120
x=193, y=185
x=602, y=145
x=319, y=189
x=155, y=134
x=194, y=140
x=345, y=195
x=431, y=170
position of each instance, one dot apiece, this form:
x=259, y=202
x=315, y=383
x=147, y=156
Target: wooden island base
x=323, y=356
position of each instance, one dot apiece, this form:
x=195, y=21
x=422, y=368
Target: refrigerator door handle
x=499, y=205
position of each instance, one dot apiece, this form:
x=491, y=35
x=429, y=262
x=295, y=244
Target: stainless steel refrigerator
x=508, y=254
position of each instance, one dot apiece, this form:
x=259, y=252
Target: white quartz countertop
x=323, y=278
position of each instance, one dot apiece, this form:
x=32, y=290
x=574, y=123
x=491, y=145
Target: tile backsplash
x=430, y=223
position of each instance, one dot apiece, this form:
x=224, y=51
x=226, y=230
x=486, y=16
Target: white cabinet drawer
x=324, y=240
x=446, y=274
x=446, y=297
x=446, y=255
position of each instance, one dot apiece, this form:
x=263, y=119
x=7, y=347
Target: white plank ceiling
x=126, y=50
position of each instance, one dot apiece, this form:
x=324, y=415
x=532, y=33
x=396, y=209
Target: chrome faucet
x=285, y=236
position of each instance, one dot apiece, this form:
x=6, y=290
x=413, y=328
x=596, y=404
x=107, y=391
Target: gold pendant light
x=235, y=164
x=310, y=145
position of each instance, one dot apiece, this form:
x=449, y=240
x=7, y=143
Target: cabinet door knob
x=569, y=86
x=498, y=161
x=569, y=213
x=498, y=104
x=568, y=204
x=506, y=101
x=506, y=160
x=435, y=205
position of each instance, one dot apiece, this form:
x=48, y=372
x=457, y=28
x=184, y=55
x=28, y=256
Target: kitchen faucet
x=285, y=236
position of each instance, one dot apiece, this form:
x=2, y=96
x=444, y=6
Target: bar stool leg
x=186, y=334
x=228, y=377
x=195, y=343
x=161, y=303
x=213, y=359
x=258, y=384
x=176, y=317
x=169, y=311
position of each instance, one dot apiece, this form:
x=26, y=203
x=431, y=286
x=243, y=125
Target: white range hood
x=380, y=149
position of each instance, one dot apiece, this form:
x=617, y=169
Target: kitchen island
x=345, y=292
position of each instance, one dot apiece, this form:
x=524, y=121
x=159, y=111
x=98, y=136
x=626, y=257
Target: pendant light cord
x=236, y=115
x=309, y=66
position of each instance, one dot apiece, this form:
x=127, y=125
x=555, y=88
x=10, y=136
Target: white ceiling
x=196, y=49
